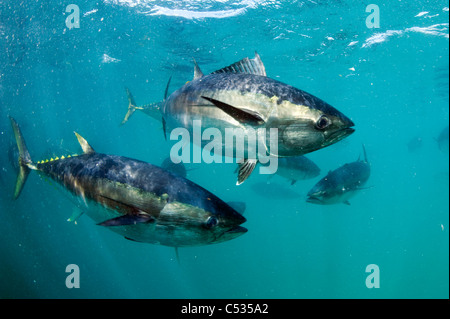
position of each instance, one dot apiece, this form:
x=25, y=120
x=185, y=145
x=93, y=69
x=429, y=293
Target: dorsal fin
x=248, y=66
x=84, y=144
x=238, y=206
x=365, y=154
x=197, y=72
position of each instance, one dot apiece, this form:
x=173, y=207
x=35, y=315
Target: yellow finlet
x=62, y=157
x=56, y=158
x=46, y=160
x=51, y=160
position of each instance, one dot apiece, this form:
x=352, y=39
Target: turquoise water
x=391, y=81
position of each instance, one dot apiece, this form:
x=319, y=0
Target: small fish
x=297, y=168
x=276, y=191
x=442, y=140
x=341, y=184
x=415, y=143
x=137, y=200
x=242, y=96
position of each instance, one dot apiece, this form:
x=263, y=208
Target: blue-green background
x=392, y=82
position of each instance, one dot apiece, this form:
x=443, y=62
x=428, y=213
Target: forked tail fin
x=152, y=109
x=131, y=106
x=25, y=162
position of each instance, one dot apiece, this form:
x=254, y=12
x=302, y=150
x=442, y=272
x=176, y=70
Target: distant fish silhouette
x=341, y=184
x=297, y=168
x=441, y=81
x=442, y=140
x=414, y=144
x=274, y=191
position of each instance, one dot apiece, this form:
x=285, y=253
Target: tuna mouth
x=231, y=233
x=236, y=230
x=314, y=200
x=340, y=134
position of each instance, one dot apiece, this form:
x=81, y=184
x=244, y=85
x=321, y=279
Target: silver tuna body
x=242, y=98
x=304, y=122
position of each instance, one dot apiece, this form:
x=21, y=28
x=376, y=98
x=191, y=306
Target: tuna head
x=224, y=226
x=306, y=123
x=324, y=194
x=329, y=190
x=317, y=195
x=212, y=222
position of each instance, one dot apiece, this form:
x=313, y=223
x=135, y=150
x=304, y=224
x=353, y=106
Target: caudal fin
x=24, y=159
x=152, y=109
x=131, y=106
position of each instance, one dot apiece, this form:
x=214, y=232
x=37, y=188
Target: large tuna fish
x=138, y=200
x=241, y=96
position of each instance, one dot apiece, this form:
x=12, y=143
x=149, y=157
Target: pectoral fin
x=164, y=128
x=167, y=89
x=131, y=239
x=75, y=215
x=241, y=115
x=128, y=220
x=245, y=169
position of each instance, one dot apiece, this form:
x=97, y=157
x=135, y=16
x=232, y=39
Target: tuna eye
x=323, y=122
x=211, y=222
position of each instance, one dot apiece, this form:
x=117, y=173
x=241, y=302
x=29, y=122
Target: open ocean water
x=392, y=81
